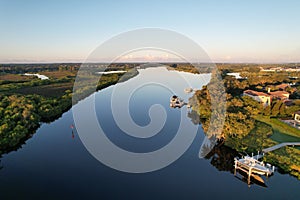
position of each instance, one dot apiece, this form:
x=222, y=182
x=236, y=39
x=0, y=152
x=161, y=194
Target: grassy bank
x=279, y=126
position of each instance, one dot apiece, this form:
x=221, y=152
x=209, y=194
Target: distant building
x=273, y=69
x=292, y=69
x=279, y=69
x=261, y=97
x=236, y=75
x=281, y=95
x=297, y=116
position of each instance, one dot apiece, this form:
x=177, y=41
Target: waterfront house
x=261, y=97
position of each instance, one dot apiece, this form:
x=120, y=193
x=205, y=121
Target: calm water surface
x=55, y=164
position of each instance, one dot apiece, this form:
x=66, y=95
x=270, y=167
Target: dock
x=176, y=102
x=266, y=150
x=253, y=167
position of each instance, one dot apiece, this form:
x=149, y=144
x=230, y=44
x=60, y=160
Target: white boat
x=188, y=90
x=175, y=101
x=254, y=166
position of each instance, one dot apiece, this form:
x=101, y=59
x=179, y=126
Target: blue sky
x=229, y=31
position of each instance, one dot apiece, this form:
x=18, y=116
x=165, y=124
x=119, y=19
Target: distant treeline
x=34, y=67
x=252, y=67
x=189, y=67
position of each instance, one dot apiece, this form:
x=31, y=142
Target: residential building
x=261, y=97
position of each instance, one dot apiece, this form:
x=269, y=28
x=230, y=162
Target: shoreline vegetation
x=249, y=126
x=26, y=101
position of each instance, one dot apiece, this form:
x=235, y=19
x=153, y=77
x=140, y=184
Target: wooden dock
x=249, y=174
x=250, y=170
x=280, y=145
x=253, y=168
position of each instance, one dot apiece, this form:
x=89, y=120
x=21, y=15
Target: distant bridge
x=280, y=145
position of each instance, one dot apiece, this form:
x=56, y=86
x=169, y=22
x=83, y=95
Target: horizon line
x=133, y=62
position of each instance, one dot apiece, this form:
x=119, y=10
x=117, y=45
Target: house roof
x=282, y=86
x=255, y=93
x=278, y=93
x=298, y=112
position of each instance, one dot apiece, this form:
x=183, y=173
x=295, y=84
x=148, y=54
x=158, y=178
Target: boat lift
x=253, y=167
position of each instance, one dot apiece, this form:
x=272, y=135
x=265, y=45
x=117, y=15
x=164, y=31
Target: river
x=54, y=163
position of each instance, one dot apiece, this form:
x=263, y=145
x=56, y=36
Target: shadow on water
x=253, y=179
x=31, y=132
x=195, y=117
x=22, y=141
x=222, y=158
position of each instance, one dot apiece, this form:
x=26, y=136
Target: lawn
x=280, y=137
x=280, y=127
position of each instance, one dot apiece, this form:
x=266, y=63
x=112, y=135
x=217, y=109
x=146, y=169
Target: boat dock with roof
x=253, y=167
x=175, y=102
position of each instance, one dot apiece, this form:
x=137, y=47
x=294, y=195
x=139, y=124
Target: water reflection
x=222, y=158
x=16, y=147
x=253, y=179
x=72, y=127
x=195, y=117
